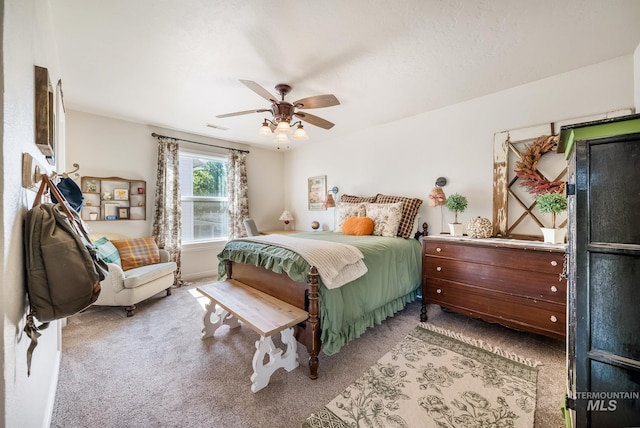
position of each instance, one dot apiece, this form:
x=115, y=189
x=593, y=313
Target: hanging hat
x=71, y=193
x=437, y=197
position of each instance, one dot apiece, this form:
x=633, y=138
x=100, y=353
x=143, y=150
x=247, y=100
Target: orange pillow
x=137, y=252
x=360, y=226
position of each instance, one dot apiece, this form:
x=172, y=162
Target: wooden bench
x=265, y=314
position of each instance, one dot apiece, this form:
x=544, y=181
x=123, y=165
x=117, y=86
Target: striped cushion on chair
x=108, y=252
x=137, y=252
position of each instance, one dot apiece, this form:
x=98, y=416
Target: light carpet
x=437, y=378
x=153, y=370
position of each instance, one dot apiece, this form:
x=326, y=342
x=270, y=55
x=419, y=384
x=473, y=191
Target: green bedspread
x=392, y=281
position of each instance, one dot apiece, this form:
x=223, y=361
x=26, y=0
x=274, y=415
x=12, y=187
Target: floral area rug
x=437, y=378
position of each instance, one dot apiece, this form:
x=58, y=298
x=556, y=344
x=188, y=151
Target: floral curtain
x=238, y=193
x=167, y=226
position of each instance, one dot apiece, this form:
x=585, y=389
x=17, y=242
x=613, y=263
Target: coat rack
x=32, y=172
x=75, y=169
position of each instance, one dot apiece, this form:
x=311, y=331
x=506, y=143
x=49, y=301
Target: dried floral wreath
x=527, y=168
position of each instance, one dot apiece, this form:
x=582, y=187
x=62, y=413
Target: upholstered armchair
x=127, y=282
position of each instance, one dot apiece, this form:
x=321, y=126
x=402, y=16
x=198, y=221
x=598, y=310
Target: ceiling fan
x=284, y=112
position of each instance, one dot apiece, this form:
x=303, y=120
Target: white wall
x=106, y=147
x=26, y=41
x=405, y=157
x=636, y=77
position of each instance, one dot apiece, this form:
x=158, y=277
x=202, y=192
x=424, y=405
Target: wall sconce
x=437, y=198
x=331, y=202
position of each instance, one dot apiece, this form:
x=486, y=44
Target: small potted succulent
x=552, y=203
x=456, y=203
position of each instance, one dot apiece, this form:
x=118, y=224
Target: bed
x=336, y=315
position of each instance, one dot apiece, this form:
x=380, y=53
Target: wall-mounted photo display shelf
x=113, y=198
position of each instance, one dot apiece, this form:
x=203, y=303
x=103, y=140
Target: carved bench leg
x=214, y=318
x=288, y=360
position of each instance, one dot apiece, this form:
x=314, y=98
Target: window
x=204, y=196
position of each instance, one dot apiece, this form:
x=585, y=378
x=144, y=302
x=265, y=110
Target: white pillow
x=386, y=218
x=344, y=210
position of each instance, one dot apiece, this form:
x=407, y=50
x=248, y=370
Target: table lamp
x=286, y=217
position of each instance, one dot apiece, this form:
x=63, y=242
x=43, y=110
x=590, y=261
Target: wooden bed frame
x=303, y=295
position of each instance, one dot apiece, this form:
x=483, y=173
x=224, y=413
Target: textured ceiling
x=177, y=63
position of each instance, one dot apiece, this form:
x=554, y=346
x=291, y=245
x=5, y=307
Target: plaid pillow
x=410, y=208
x=137, y=252
x=356, y=199
x=108, y=252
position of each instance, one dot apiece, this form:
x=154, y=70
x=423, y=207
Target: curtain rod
x=153, y=134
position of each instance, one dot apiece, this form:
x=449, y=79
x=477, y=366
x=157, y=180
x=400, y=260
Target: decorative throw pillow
x=409, y=211
x=359, y=226
x=357, y=199
x=137, y=252
x=108, y=252
x=344, y=211
x=386, y=218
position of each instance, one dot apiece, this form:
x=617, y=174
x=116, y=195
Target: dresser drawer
x=516, y=258
x=525, y=314
x=517, y=282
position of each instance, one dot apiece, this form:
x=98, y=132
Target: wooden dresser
x=519, y=284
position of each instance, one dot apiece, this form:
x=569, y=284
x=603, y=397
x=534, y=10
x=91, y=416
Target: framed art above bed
x=317, y=188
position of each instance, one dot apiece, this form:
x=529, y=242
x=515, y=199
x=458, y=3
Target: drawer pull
x=438, y=249
x=553, y=318
x=439, y=291
x=439, y=268
x=554, y=263
x=554, y=288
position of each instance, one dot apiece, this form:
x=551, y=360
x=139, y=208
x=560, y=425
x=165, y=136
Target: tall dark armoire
x=603, y=343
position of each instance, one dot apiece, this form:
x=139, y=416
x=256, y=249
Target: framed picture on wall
x=123, y=213
x=317, y=192
x=120, y=194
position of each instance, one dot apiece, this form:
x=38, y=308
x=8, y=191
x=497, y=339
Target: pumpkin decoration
x=479, y=227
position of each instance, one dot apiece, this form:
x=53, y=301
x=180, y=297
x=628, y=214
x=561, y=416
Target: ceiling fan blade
x=238, y=113
x=259, y=90
x=317, y=101
x=314, y=120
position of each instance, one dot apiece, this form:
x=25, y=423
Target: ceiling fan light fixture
x=264, y=130
x=285, y=113
x=300, y=134
x=283, y=128
x=281, y=138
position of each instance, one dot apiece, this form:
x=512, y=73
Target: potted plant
x=456, y=203
x=552, y=203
